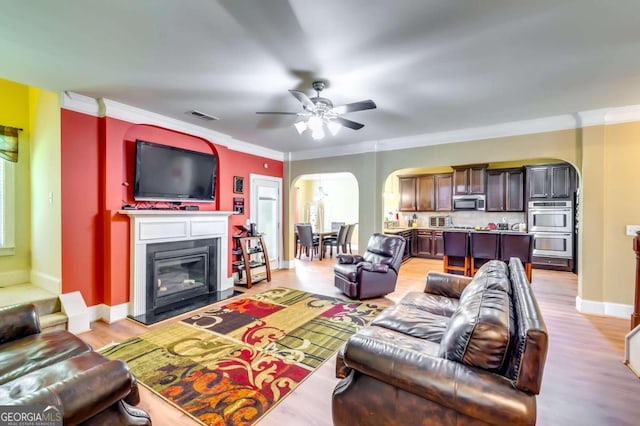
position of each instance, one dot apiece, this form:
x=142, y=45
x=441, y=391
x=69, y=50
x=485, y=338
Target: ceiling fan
x=320, y=112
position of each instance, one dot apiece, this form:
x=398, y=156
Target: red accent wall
x=97, y=164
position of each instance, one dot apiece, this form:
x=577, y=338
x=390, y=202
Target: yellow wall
x=46, y=260
x=14, y=112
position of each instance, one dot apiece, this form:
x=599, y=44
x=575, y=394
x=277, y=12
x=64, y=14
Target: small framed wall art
x=238, y=205
x=238, y=185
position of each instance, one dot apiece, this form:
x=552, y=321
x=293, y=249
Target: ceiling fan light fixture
x=301, y=126
x=317, y=134
x=334, y=127
x=315, y=123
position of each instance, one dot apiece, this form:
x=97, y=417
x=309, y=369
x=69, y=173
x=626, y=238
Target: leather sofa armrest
x=18, y=321
x=349, y=258
x=448, y=285
x=86, y=394
x=471, y=391
x=374, y=267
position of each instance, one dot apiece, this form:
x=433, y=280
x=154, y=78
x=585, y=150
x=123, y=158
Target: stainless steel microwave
x=469, y=202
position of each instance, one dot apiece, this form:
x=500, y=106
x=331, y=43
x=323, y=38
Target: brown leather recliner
x=57, y=368
x=375, y=272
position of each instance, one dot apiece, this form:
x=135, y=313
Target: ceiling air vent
x=202, y=115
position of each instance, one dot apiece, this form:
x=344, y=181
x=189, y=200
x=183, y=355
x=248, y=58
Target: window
x=7, y=208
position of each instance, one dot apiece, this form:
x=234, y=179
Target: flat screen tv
x=167, y=173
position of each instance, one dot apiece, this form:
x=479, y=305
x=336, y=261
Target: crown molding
x=112, y=109
x=599, y=117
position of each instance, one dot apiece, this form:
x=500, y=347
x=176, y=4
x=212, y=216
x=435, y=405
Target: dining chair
x=520, y=246
x=307, y=241
x=338, y=241
x=484, y=246
x=297, y=244
x=347, y=243
x=335, y=226
x=455, y=257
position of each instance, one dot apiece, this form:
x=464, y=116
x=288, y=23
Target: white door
x=266, y=213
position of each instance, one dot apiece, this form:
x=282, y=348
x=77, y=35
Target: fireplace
x=178, y=272
x=179, y=262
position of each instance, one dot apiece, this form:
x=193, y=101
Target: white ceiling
x=430, y=65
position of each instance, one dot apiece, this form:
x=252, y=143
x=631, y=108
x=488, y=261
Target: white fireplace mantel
x=160, y=226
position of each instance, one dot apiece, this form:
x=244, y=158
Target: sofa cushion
x=434, y=303
x=492, y=275
x=33, y=352
x=346, y=270
x=413, y=322
x=480, y=331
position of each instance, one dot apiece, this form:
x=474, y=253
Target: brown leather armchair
x=57, y=368
x=375, y=272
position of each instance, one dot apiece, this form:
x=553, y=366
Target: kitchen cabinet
x=505, y=190
x=407, y=193
x=469, y=179
x=425, y=193
x=550, y=182
x=442, y=189
x=429, y=244
x=409, y=247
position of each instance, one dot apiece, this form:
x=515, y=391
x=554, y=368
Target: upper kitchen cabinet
x=425, y=193
x=550, y=182
x=505, y=190
x=469, y=179
x=407, y=193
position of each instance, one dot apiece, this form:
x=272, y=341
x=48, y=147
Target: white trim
x=108, y=108
x=287, y=264
x=107, y=313
x=73, y=306
x=253, y=209
x=47, y=282
x=14, y=277
x=609, y=309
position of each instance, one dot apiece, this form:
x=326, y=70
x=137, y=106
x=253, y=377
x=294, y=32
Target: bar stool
x=485, y=246
x=456, y=252
x=520, y=246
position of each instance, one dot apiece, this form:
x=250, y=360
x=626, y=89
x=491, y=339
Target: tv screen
x=166, y=173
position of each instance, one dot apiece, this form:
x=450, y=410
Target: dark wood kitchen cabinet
x=409, y=249
x=550, y=182
x=425, y=193
x=469, y=179
x=429, y=244
x=505, y=190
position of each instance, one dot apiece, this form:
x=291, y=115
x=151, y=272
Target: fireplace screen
x=179, y=271
x=175, y=275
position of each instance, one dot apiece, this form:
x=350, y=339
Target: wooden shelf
x=250, y=253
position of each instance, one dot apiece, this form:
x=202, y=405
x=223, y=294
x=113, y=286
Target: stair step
x=55, y=321
x=45, y=302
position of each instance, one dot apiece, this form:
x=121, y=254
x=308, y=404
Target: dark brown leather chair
x=375, y=272
x=57, y=368
x=484, y=246
x=456, y=252
x=520, y=246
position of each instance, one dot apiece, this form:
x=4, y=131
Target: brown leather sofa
x=375, y=272
x=467, y=351
x=57, y=368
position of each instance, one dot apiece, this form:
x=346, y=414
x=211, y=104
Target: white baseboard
x=108, y=313
x=46, y=282
x=287, y=264
x=609, y=309
x=227, y=282
x=14, y=277
x=74, y=307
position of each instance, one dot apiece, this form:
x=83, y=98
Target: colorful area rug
x=230, y=365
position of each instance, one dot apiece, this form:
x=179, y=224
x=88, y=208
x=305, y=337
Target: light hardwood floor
x=585, y=381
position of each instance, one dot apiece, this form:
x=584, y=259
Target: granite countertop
x=470, y=229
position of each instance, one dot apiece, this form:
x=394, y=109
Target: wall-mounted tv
x=167, y=173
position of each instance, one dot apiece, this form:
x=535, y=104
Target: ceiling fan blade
x=281, y=113
x=355, y=106
x=348, y=123
x=304, y=99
